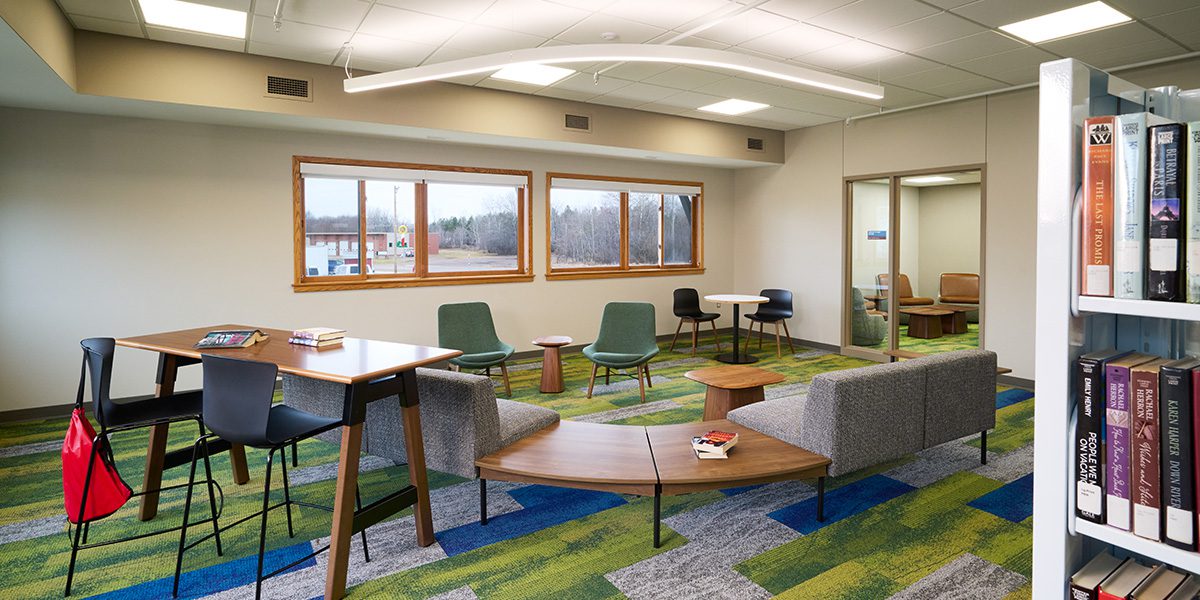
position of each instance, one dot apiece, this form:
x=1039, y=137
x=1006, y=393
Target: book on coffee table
x=714, y=444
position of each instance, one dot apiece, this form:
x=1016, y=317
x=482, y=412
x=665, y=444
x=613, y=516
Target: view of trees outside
x=643, y=229
x=677, y=229
x=331, y=223
x=585, y=228
x=476, y=225
x=391, y=218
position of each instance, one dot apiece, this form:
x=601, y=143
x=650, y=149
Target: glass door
x=869, y=219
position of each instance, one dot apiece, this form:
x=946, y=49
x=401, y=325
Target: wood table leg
x=237, y=461
x=343, y=512
x=719, y=401
x=414, y=447
x=552, y=375
x=157, y=449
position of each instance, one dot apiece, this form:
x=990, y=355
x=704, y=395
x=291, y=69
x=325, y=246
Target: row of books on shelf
x=1107, y=577
x=317, y=337
x=1141, y=208
x=1135, y=451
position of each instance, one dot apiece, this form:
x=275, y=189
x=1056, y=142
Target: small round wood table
x=734, y=358
x=732, y=387
x=552, y=376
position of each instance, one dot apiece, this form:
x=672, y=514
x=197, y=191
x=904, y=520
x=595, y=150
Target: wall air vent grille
x=288, y=88
x=577, y=122
x=754, y=144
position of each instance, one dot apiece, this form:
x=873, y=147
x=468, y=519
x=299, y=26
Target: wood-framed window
x=603, y=226
x=371, y=224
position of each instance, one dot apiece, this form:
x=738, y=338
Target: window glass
x=391, y=227
x=472, y=228
x=643, y=229
x=585, y=228
x=677, y=229
x=331, y=226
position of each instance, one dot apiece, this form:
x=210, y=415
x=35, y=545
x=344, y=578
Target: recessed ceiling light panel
x=928, y=179
x=190, y=16
x=733, y=106
x=1072, y=21
x=531, y=73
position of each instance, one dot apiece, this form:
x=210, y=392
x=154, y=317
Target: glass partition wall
x=913, y=262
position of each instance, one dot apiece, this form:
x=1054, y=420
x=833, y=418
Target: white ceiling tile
x=1141, y=9
x=561, y=94
x=1121, y=36
x=868, y=16
x=790, y=118
x=615, y=101
x=970, y=47
x=338, y=14
x=588, y=31
x=535, y=17
x=818, y=103
x=585, y=83
x=397, y=53
x=971, y=85
x=195, y=39
x=291, y=53
x=847, y=55
x=686, y=78
x=892, y=67
x=1021, y=64
x=691, y=100
x=1184, y=26
x=592, y=5
x=995, y=13
x=696, y=42
x=238, y=5
x=668, y=14
x=297, y=35
x=107, y=26
x=1107, y=58
x=926, y=80
x=803, y=9
x=794, y=40
x=488, y=40
x=924, y=32
x=116, y=10
x=737, y=87
x=896, y=97
x=508, y=86
x=663, y=108
x=634, y=71
x=643, y=92
x=460, y=10
x=948, y=4
x=399, y=24
x=745, y=27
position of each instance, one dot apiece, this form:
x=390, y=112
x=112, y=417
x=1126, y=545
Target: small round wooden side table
x=552, y=376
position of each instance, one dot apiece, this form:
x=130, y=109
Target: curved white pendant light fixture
x=592, y=53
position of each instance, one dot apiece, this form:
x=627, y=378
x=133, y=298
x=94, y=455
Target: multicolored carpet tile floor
x=932, y=525
x=947, y=343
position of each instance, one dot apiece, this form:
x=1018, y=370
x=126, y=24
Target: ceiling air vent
x=754, y=144
x=288, y=88
x=577, y=123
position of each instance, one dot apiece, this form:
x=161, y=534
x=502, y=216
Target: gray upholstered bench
x=866, y=416
x=461, y=418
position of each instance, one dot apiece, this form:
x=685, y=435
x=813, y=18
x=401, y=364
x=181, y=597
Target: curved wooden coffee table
x=647, y=461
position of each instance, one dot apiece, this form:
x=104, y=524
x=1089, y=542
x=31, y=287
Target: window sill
x=612, y=273
x=375, y=283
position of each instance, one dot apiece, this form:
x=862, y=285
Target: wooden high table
x=736, y=300
x=370, y=370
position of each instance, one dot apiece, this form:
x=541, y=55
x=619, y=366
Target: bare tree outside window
x=585, y=228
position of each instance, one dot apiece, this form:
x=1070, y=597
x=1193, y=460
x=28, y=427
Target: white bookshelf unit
x=1069, y=325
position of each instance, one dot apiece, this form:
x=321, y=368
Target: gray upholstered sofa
x=866, y=416
x=461, y=418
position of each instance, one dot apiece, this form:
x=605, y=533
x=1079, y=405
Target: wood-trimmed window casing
x=302, y=282
x=625, y=269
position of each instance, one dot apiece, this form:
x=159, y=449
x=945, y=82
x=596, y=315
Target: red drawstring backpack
x=107, y=492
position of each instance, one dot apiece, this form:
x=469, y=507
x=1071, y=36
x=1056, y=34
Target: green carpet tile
x=947, y=343
x=911, y=527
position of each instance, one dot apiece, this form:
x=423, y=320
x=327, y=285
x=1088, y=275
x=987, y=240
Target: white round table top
x=737, y=299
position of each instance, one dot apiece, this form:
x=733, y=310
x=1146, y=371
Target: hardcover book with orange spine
x=1098, y=182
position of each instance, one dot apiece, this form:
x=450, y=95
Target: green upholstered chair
x=867, y=329
x=468, y=327
x=626, y=341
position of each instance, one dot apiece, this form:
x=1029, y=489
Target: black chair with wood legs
x=238, y=394
x=687, y=308
x=115, y=415
x=776, y=311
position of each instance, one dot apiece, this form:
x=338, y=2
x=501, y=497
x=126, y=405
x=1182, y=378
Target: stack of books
x=714, y=444
x=1106, y=577
x=317, y=337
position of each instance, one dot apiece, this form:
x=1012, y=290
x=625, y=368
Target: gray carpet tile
x=24, y=530
x=463, y=593
x=967, y=577
x=810, y=353
x=529, y=366
x=620, y=383
x=314, y=473
x=937, y=463
x=1009, y=466
x=686, y=348
x=780, y=391
x=719, y=535
x=23, y=449
x=627, y=411
x=679, y=362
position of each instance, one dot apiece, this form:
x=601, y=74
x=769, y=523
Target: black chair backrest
x=687, y=302
x=98, y=353
x=779, y=304
x=237, y=398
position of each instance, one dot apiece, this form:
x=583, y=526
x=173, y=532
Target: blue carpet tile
x=1010, y=397
x=1012, y=501
x=544, y=506
x=840, y=503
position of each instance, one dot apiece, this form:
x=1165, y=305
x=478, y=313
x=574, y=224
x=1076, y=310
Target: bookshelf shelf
x=1183, y=559
x=1140, y=308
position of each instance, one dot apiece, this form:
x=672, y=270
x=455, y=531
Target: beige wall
x=179, y=225
x=949, y=234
